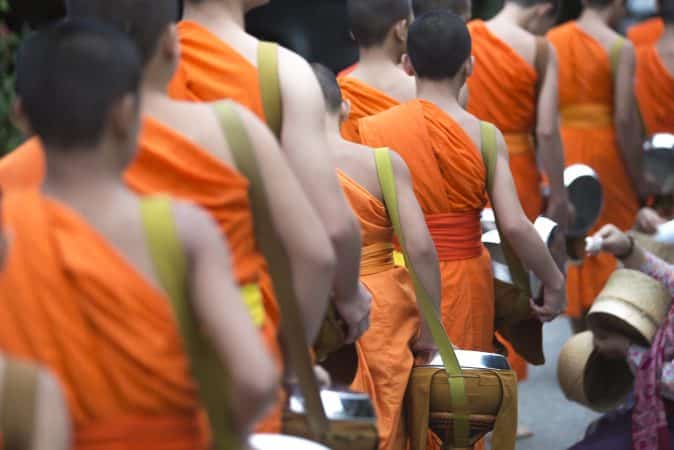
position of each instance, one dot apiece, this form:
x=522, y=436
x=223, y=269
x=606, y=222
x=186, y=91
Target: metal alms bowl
x=659, y=160
x=476, y=360
x=339, y=405
x=546, y=229
x=586, y=195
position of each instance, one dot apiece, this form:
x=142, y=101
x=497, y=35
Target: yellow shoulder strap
x=170, y=265
x=489, y=150
x=270, y=85
x=614, y=54
x=292, y=325
x=17, y=411
x=430, y=314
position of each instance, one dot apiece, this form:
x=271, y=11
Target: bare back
x=520, y=40
x=358, y=163
x=387, y=78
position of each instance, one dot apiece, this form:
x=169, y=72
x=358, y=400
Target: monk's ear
x=20, y=119
x=469, y=66
x=124, y=118
x=170, y=44
x=400, y=30
x=407, y=65
x=344, y=110
x=543, y=9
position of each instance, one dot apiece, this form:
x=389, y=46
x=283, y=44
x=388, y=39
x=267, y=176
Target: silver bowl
x=476, y=360
x=339, y=405
x=586, y=195
x=659, y=160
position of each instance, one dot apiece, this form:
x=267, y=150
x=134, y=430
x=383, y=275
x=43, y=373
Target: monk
x=111, y=338
x=184, y=153
x=600, y=128
x=388, y=350
x=462, y=8
x=219, y=60
x=649, y=31
x=51, y=428
x=440, y=142
x=377, y=83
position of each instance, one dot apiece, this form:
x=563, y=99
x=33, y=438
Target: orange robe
x=24, y=167
x=365, y=101
x=654, y=89
x=71, y=302
x=647, y=32
x=449, y=180
x=385, y=357
x=586, y=101
x=169, y=163
x=211, y=70
x=503, y=91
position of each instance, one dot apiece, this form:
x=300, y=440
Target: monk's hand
x=355, y=313
x=423, y=347
x=611, y=345
x=648, y=221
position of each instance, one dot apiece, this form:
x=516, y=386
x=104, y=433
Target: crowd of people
x=192, y=205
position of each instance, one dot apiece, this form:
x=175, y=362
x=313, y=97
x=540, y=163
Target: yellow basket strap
x=170, y=265
x=430, y=314
x=614, y=54
x=280, y=269
x=270, y=85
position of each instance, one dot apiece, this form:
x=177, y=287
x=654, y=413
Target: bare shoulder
x=298, y=82
x=194, y=226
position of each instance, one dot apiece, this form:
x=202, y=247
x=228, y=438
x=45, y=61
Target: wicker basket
x=632, y=304
x=588, y=378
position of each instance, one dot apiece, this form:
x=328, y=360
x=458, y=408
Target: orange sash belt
x=456, y=235
x=587, y=116
x=376, y=258
x=519, y=143
x=139, y=432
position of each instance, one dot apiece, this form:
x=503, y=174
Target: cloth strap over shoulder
x=292, y=324
x=17, y=411
x=615, y=52
x=430, y=314
x=170, y=264
x=270, y=85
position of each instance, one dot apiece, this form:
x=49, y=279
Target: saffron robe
x=365, y=101
x=169, y=163
x=72, y=303
x=385, y=358
x=449, y=181
x=24, y=167
x=586, y=87
x=647, y=32
x=654, y=90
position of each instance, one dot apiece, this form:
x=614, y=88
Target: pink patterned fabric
x=649, y=419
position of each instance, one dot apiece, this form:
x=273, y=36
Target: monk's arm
x=627, y=121
x=221, y=311
x=298, y=226
x=305, y=145
x=519, y=231
x=52, y=420
x=418, y=242
x=549, y=142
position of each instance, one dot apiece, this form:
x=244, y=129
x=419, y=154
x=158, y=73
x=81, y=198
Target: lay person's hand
x=613, y=240
x=356, y=313
x=648, y=220
x=424, y=348
x=611, y=345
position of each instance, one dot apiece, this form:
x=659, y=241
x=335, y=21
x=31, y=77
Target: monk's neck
x=511, y=14
x=444, y=94
x=375, y=60
x=215, y=14
x=592, y=16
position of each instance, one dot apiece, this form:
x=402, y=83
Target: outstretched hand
x=648, y=221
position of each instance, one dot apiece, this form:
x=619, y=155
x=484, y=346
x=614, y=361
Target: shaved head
x=461, y=8
x=143, y=20
x=372, y=20
x=667, y=10
x=528, y=3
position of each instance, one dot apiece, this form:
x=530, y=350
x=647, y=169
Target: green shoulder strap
x=170, y=265
x=292, y=324
x=270, y=85
x=430, y=314
x=614, y=54
x=489, y=152
x=17, y=412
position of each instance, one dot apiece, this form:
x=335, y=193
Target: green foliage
x=9, y=42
